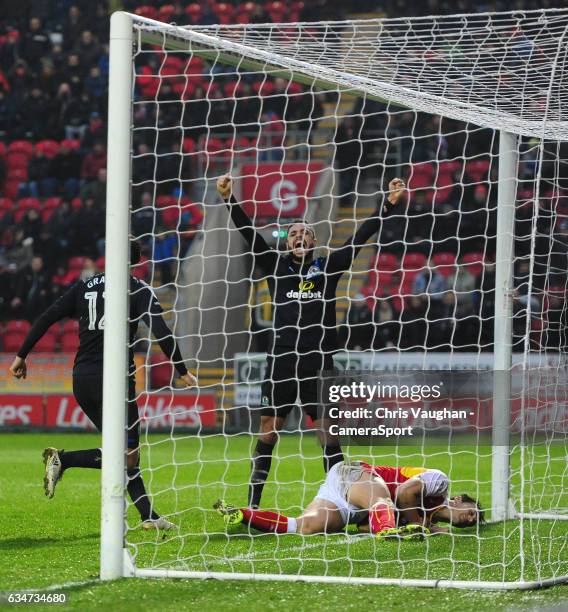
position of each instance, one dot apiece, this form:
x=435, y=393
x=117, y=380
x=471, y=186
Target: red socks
x=381, y=517
x=264, y=520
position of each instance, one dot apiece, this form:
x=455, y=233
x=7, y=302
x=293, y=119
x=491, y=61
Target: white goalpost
x=469, y=273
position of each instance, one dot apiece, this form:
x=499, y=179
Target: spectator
x=31, y=291
x=89, y=269
x=35, y=43
x=414, y=324
x=40, y=181
x=387, y=327
x=486, y=288
x=347, y=158
x=95, y=84
x=73, y=27
x=65, y=168
x=462, y=302
x=19, y=250
x=60, y=226
x=357, y=331
x=35, y=108
x=94, y=132
x=87, y=48
x=96, y=190
x=88, y=230
x=94, y=161
x=431, y=284
x=143, y=216
x=32, y=225
x=164, y=253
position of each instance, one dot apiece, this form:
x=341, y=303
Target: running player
x=303, y=291
x=85, y=302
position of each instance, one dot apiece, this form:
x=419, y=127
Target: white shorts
x=335, y=489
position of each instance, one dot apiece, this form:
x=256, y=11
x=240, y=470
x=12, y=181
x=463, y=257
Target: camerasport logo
x=305, y=292
x=16, y=410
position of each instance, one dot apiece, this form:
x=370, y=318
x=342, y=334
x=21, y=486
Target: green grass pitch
x=55, y=542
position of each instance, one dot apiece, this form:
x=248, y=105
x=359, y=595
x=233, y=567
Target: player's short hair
x=308, y=226
x=466, y=499
x=135, y=253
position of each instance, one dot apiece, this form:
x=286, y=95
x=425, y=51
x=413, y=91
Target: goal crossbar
x=224, y=50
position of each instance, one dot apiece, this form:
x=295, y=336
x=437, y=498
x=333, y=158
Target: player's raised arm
x=152, y=317
x=344, y=256
x=63, y=307
x=265, y=256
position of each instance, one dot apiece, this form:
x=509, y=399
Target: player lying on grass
x=371, y=497
x=85, y=302
x=303, y=291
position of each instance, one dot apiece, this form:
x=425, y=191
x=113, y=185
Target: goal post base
x=353, y=580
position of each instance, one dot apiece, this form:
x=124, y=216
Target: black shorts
x=88, y=391
x=292, y=375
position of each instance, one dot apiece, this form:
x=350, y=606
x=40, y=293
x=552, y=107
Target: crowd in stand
x=53, y=92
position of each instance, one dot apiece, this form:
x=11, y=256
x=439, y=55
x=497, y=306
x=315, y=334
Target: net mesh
x=312, y=121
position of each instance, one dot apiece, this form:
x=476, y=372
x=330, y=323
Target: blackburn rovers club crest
x=314, y=270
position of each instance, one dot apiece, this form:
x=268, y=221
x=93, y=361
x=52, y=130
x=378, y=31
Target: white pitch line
x=53, y=587
x=349, y=539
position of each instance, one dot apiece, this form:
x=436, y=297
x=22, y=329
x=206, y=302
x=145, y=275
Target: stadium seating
x=47, y=344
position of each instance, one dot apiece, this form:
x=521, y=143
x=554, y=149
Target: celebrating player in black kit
x=303, y=293
x=85, y=301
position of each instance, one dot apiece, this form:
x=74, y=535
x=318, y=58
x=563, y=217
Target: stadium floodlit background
x=53, y=106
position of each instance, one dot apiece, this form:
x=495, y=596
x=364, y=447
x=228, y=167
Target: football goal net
x=462, y=284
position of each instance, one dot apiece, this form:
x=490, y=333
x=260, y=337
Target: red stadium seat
x=263, y=88
x=70, y=342
x=193, y=12
x=47, y=344
x=47, y=214
x=244, y=12
x=71, y=277
x=445, y=180
x=28, y=203
x=51, y=203
x=174, y=62
x=224, y=12
x=141, y=269
x=161, y=372
x=6, y=204
x=165, y=201
x=147, y=11
x=71, y=143
x=50, y=148
x=194, y=67
x=478, y=170
x=189, y=146
x=21, y=146
x=385, y=262
x=100, y=264
x=25, y=204
x=71, y=326
x=277, y=11
x=17, y=159
x=76, y=203
x=474, y=263
x=295, y=9
x=445, y=263
x=18, y=326
x=12, y=341
x=76, y=263
x=166, y=12
x=414, y=261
